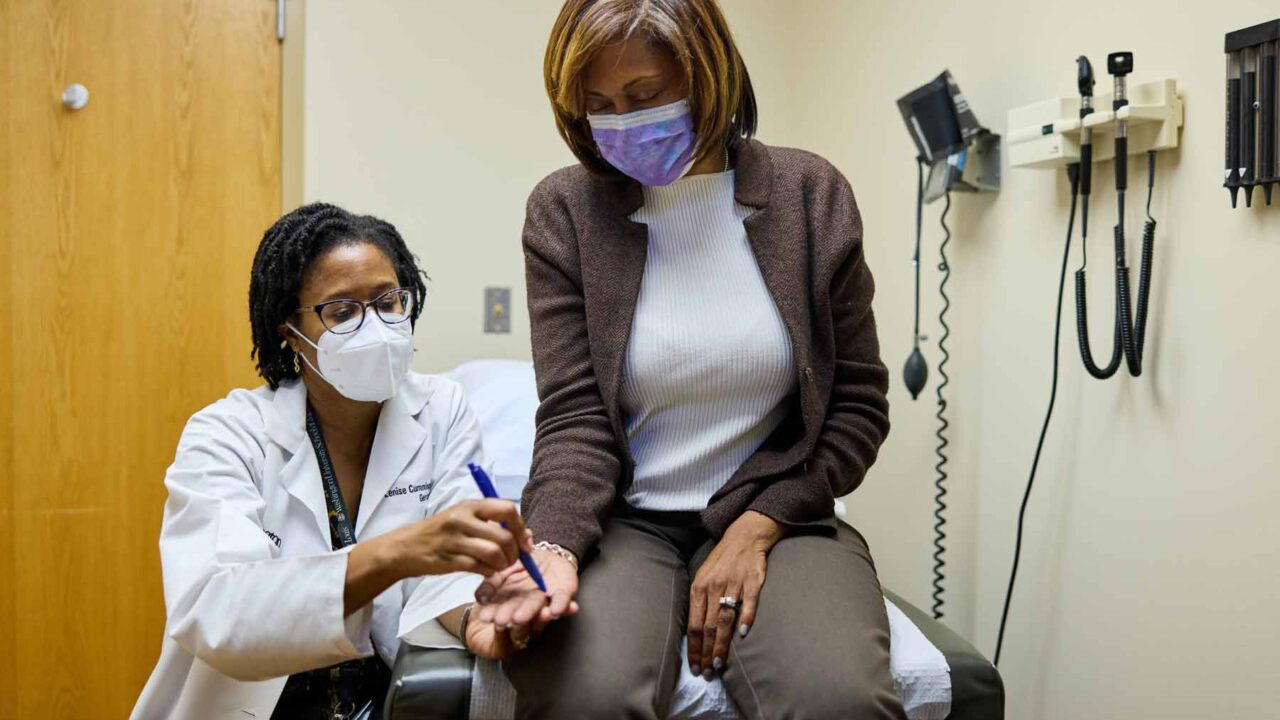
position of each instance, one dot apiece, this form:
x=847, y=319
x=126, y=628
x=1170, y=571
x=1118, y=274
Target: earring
x=296, y=367
x=284, y=344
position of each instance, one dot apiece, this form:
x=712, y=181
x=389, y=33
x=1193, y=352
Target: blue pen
x=486, y=489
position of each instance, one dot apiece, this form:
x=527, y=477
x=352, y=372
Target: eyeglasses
x=346, y=316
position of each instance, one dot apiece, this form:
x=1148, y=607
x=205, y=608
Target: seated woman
x=302, y=515
x=688, y=456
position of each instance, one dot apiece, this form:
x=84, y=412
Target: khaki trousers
x=819, y=647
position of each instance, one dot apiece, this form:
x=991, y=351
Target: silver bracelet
x=462, y=626
x=557, y=550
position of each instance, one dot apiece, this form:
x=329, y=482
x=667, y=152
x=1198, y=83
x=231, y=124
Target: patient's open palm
x=512, y=599
x=485, y=640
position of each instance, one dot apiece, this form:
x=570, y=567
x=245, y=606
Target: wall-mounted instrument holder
x=1252, y=130
x=1047, y=134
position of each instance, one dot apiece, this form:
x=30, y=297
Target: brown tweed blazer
x=584, y=259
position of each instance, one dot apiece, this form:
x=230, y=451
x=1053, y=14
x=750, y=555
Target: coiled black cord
x=940, y=505
x=1082, y=310
x=1073, y=174
x=1138, y=336
x=1144, y=280
x=1129, y=339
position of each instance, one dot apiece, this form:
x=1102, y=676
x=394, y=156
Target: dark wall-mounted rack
x=1253, y=133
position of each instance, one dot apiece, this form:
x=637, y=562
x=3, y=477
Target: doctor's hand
x=734, y=569
x=512, y=601
x=466, y=537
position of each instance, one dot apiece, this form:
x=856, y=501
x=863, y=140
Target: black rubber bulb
x=915, y=373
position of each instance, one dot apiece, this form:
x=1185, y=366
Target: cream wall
x=433, y=115
x=1147, y=566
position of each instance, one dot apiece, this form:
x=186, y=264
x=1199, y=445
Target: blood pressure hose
x=916, y=372
x=939, y=483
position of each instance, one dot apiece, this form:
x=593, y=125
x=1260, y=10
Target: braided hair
x=286, y=252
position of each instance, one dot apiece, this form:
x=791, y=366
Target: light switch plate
x=497, y=310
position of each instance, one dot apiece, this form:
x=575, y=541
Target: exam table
x=451, y=684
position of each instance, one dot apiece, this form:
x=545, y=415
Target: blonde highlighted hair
x=694, y=31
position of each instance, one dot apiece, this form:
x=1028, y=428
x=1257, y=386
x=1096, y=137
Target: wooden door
x=127, y=229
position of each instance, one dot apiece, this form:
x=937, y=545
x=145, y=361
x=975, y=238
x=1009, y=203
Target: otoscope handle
x=1248, y=118
x=1267, y=118
x=1120, y=64
x=1086, y=168
x=1122, y=163
x=1233, y=177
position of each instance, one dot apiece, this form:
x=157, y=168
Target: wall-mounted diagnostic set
x=1252, y=129
x=1075, y=133
x=1078, y=132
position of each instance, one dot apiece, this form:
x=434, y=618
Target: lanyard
x=340, y=529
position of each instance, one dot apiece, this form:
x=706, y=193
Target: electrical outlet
x=497, y=310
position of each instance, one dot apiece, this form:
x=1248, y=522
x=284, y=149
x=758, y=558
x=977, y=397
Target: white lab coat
x=252, y=587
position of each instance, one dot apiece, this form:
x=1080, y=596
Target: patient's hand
x=487, y=641
x=512, y=600
x=734, y=569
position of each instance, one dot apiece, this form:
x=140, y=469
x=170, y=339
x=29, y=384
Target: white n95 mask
x=367, y=365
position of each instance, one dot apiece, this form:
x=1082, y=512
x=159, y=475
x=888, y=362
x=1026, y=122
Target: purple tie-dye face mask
x=655, y=146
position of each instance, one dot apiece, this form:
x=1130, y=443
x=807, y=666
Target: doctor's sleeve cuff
x=433, y=597
x=253, y=621
x=358, y=626
x=349, y=635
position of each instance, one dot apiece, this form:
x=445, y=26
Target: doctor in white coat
x=288, y=586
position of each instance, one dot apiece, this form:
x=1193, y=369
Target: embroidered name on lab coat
x=423, y=491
